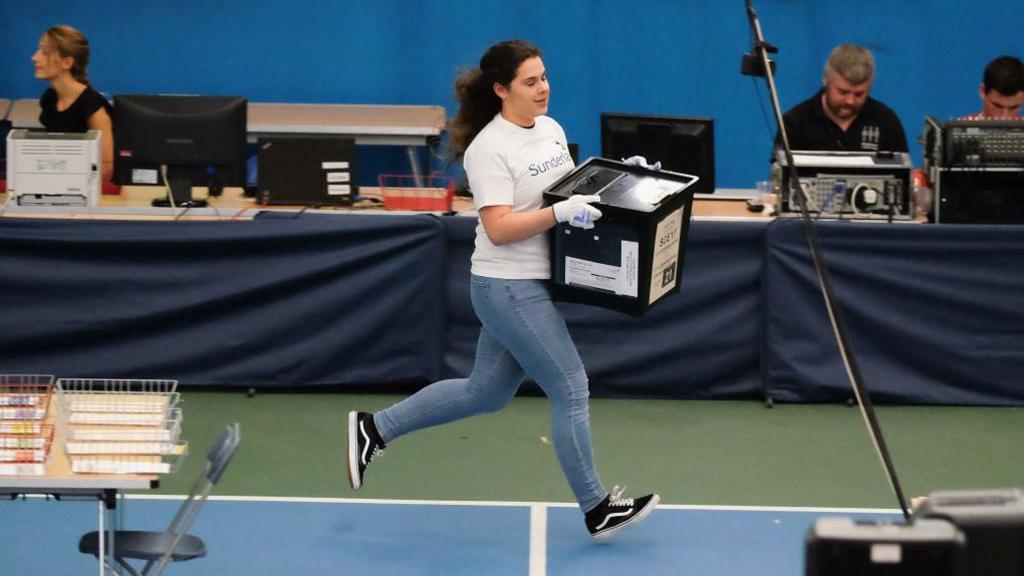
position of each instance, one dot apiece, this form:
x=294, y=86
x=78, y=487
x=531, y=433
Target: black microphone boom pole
x=758, y=64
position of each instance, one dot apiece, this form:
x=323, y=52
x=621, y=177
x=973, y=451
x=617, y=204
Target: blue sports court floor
x=264, y=536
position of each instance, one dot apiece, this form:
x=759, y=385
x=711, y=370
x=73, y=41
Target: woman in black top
x=71, y=104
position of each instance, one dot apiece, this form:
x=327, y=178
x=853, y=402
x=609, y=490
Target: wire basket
x=25, y=452
x=25, y=396
x=121, y=426
x=26, y=447
x=433, y=193
x=116, y=402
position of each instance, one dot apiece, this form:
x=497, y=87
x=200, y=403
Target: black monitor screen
x=681, y=143
x=199, y=140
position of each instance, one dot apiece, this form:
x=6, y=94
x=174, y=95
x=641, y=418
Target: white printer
x=54, y=168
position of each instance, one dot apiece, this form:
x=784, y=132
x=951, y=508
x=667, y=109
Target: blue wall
x=654, y=56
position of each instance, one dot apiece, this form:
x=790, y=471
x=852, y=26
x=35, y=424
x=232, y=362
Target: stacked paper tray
x=25, y=396
x=26, y=453
x=125, y=463
x=92, y=438
x=25, y=440
x=120, y=426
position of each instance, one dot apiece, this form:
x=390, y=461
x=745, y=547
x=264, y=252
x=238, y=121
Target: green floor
x=691, y=452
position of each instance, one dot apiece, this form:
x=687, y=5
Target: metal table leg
x=102, y=535
x=414, y=166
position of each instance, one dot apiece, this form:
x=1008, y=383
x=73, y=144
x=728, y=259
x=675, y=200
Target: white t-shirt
x=508, y=165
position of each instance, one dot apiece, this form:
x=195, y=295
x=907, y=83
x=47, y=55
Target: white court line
x=538, y=540
x=512, y=504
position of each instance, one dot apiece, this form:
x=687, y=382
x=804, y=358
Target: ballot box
x=633, y=256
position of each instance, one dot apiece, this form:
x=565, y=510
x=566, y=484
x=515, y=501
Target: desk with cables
x=134, y=203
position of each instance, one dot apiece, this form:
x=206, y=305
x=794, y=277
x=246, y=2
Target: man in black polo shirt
x=842, y=116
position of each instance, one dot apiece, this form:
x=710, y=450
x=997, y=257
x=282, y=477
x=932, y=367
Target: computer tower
x=843, y=547
x=992, y=522
x=306, y=170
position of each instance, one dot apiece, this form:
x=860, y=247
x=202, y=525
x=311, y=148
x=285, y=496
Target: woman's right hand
x=577, y=211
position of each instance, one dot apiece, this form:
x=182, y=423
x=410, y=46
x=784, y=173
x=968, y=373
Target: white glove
x=577, y=211
x=642, y=162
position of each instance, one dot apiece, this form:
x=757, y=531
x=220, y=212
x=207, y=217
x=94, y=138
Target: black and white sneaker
x=615, y=513
x=364, y=444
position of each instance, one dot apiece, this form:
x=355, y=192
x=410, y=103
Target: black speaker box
x=992, y=522
x=842, y=547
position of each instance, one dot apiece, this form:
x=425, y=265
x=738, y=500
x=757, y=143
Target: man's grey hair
x=854, y=63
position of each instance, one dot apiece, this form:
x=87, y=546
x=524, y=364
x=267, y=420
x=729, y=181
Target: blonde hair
x=70, y=43
x=854, y=63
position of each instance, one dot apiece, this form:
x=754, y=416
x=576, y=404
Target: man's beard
x=841, y=111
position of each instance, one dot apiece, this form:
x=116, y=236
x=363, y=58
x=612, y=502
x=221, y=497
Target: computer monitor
x=681, y=143
x=189, y=140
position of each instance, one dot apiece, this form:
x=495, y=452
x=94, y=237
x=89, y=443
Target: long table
x=297, y=299
x=60, y=482
x=408, y=126
x=135, y=203
x=24, y=113
x=394, y=125
x=935, y=313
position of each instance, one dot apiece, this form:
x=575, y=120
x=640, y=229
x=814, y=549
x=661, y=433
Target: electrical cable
x=855, y=193
x=836, y=189
x=212, y=204
x=170, y=194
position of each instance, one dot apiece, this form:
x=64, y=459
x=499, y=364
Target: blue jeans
x=523, y=335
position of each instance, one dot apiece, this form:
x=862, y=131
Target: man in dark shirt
x=842, y=115
x=1002, y=89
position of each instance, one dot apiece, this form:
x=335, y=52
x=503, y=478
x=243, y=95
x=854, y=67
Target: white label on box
x=338, y=189
x=665, y=262
x=591, y=274
x=886, y=554
x=621, y=280
x=334, y=165
x=143, y=176
x=630, y=268
x=337, y=176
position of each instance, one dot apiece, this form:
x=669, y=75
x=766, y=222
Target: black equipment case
x=992, y=522
x=842, y=547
